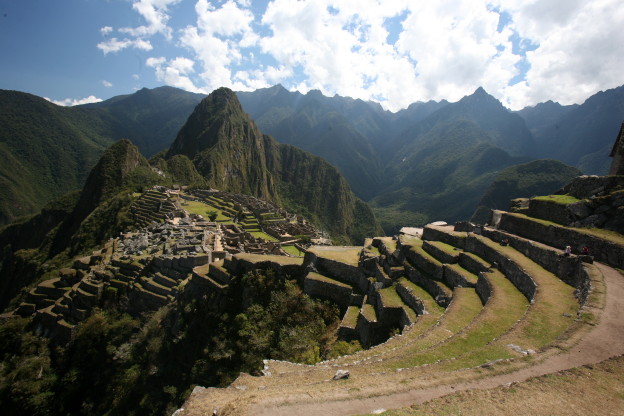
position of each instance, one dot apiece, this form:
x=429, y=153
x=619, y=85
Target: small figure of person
x=504, y=242
x=567, y=251
x=585, y=251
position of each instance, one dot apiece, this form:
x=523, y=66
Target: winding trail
x=603, y=341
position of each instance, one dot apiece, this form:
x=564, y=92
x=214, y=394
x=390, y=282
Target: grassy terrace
x=201, y=208
x=447, y=248
x=554, y=299
x=345, y=254
x=612, y=236
x=504, y=308
x=470, y=277
x=390, y=298
x=259, y=258
x=321, y=278
x=350, y=317
x=464, y=308
x=369, y=312
x=558, y=199
x=265, y=236
x=416, y=246
x=292, y=250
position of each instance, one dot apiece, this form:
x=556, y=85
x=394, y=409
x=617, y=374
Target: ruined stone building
x=617, y=153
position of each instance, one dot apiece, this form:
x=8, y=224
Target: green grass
x=390, y=297
x=464, y=309
x=447, y=248
x=594, y=232
x=293, y=250
x=201, y=208
x=260, y=234
x=558, y=199
x=369, y=312
x=504, y=308
x=350, y=316
x=347, y=255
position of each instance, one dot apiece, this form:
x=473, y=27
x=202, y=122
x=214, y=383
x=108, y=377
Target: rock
x=341, y=374
x=439, y=223
x=579, y=210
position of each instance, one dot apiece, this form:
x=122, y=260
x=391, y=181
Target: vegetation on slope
x=539, y=177
x=117, y=364
x=233, y=155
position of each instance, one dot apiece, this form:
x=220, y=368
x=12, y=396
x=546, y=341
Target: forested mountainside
x=366, y=143
x=233, y=155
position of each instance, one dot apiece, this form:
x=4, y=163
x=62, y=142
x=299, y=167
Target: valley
x=234, y=272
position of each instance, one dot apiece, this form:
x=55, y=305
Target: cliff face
x=233, y=155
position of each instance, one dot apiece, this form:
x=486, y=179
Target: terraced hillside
x=469, y=305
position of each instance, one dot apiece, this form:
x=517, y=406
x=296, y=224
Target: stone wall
x=342, y=272
x=436, y=291
x=339, y=293
x=521, y=279
x=587, y=186
x=566, y=268
x=483, y=288
x=410, y=299
x=455, y=238
x=559, y=237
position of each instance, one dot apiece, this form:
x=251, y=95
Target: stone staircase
x=152, y=206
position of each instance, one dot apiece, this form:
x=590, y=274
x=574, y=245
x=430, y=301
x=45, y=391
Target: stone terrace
x=462, y=297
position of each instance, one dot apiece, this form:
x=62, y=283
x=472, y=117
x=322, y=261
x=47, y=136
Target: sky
x=394, y=52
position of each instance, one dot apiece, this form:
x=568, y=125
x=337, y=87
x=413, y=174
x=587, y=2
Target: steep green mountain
x=504, y=129
x=544, y=115
x=340, y=130
x=232, y=154
x=150, y=118
x=441, y=176
x=583, y=136
x=539, y=177
x=46, y=150
x=73, y=223
x=49, y=150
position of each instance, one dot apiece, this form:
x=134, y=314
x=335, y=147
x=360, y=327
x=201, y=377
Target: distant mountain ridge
x=232, y=154
x=49, y=149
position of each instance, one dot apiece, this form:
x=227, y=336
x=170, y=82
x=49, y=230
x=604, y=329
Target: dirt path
x=603, y=341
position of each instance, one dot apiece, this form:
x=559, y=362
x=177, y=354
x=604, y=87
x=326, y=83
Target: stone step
x=444, y=234
x=437, y=289
x=318, y=285
x=419, y=259
x=605, y=246
x=150, y=285
x=347, y=331
x=457, y=276
x=164, y=280
x=391, y=310
x=444, y=253
x=504, y=307
x=218, y=272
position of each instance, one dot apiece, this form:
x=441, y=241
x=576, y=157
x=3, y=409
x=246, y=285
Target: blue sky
x=394, y=52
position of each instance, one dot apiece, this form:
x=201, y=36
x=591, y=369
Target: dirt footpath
x=603, y=341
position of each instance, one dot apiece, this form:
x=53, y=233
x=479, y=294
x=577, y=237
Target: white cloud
x=105, y=83
x=216, y=41
x=175, y=72
x=580, y=49
x=115, y=45
x=394, y=52
x=68, y=102
x=155, y=12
